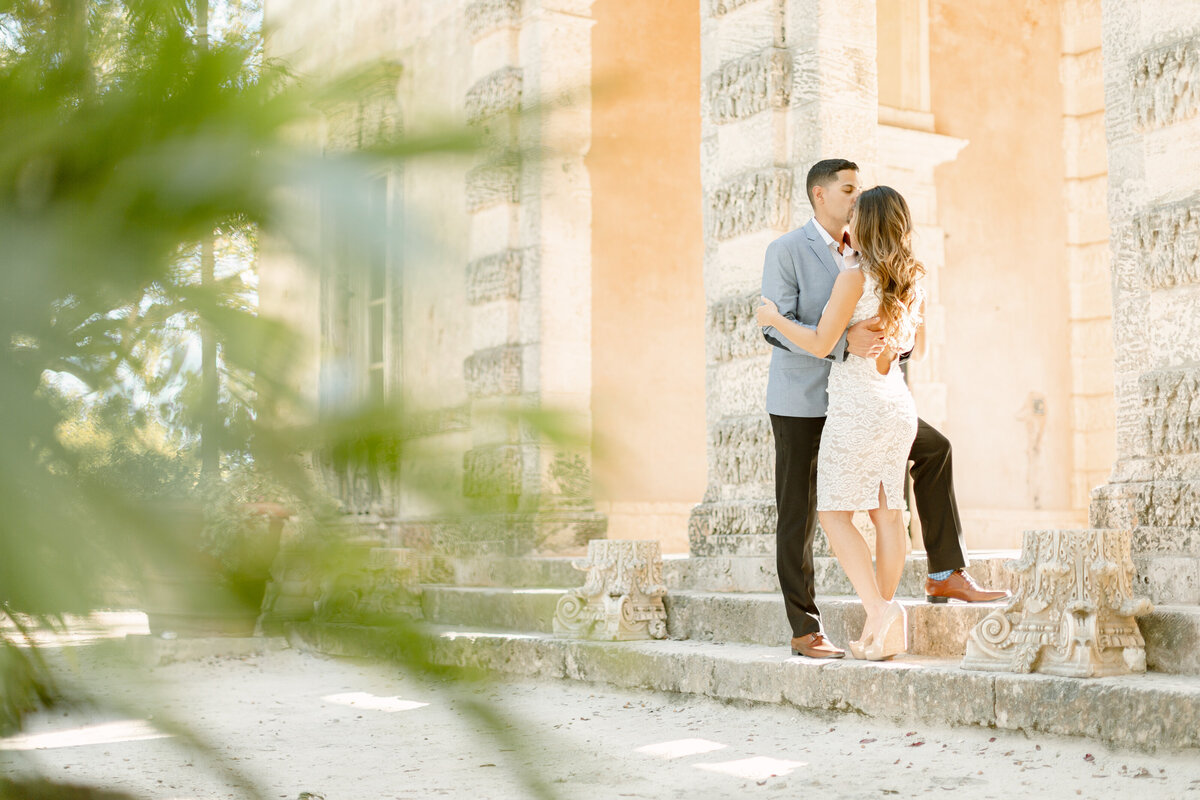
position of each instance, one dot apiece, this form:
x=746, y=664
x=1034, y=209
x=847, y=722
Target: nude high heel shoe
x=891, y=638
x=856, y=648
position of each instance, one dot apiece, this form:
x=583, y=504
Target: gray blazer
x=798, y=276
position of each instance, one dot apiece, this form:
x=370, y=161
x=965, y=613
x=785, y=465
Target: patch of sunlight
x=680, y=748
x=78, y=630
x=372, y=702
x=754, y=769
x=536, y=591
x=126, y=730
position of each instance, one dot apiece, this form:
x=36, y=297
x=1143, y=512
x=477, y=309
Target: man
x=798, y=276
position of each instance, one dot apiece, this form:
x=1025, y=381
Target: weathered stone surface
x=750, y=522
x=492, y=372
x=374, y=582
x=726, y=573
x=750, y=203
x=1146, y=711
x=1073, y=613
x=1166, y=84
x=719, y=8
x=1172, y=639
x=1168, y=578
x=1161, y=504
x=493, y=471
x=743, y=450
x=733, y=332
x=494, y=94
x=1108, y=709
x=1171, y=404
x=513, y=609
x=438, y=421
x=935, y=630
x=490, y=184
x=622, y=598
x=485, y=16
x=495, y=277
x=1168, y=241
x=743, y=87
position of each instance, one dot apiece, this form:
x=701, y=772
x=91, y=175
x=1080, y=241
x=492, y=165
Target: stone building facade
x=612, y=271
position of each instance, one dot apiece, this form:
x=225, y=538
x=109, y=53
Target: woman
x=871, y=421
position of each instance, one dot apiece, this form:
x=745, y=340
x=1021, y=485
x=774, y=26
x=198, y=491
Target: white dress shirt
x=844, y=261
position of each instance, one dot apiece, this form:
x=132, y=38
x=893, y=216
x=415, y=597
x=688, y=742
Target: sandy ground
x=344, y=729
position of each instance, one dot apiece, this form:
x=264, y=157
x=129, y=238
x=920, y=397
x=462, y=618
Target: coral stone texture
x=1151, y=75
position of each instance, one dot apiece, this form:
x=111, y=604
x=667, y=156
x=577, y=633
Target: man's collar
x=825, y=237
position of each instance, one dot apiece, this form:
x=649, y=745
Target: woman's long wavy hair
x=883, y=233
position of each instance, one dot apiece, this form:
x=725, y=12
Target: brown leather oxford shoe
x=815, y=645
x=959, y=586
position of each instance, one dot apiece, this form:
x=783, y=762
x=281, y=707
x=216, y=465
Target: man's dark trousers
x=797, y=440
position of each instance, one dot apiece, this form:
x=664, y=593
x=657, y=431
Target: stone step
x=937, y=630
x=1147, y=712
x=711, y=573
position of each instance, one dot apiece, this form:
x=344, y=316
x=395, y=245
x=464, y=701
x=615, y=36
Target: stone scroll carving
x=622, y=598
x=719, y=8
x=494, y=371
x=485, y=16
x=1166, y=84
x=492, y=184
x=495, y=277
x=494, y=94
x=375, y=582
x=1073, y=613
x=1169, y=239
x=743, y=450
x=731, y=329
x=751, y=202
x=1171, y=410
x=748, y=85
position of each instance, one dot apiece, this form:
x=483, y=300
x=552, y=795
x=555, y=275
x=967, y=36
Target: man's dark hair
x=825, y=171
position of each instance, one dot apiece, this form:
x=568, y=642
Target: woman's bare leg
x=889, y=546
x=852, y=553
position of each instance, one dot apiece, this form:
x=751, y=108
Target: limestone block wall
x=494, y=260
x=647, y=298
x=528, y=273
x=426, y=324
x=785, y=84
x=1152, y=100
x=907, y=160
x=1005, y=289
x=1093, y=411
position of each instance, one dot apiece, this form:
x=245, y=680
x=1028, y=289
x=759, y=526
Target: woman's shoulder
x=854, y=276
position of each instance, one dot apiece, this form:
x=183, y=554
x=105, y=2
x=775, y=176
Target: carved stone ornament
x=1073, y=613
x=1166, y=84
x=380, y=582
x=622, y=598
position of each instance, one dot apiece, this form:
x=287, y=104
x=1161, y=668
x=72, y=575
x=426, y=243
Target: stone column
x=529, y=275
x=1152, y=101
x=785, y=84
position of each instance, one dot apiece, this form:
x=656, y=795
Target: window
x=360, y=332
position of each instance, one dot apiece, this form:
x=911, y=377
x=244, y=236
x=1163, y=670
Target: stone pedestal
x=377, y=582
x=622, y=598
x=1073, y=612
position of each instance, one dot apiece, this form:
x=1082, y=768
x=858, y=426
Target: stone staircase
x=728, y=639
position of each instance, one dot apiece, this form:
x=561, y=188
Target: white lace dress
x=870, y=424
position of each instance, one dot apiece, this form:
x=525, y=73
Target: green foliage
x=123, y=145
